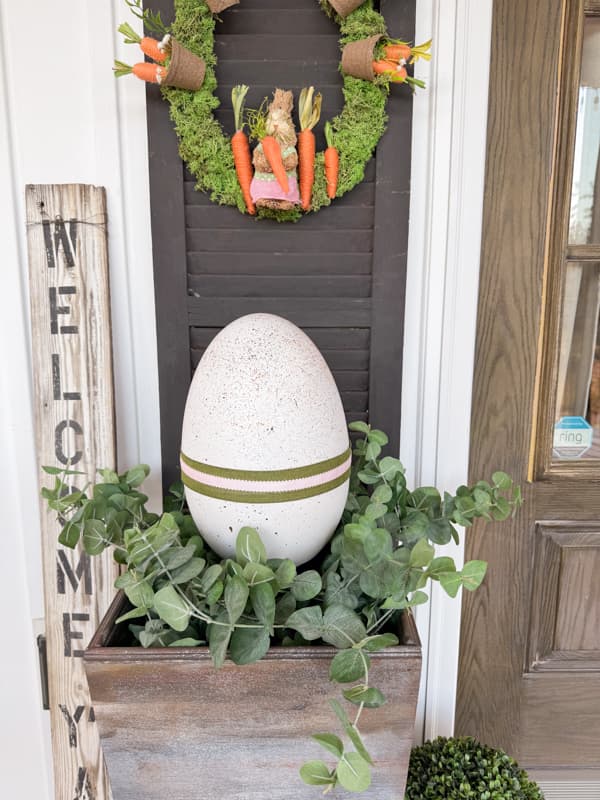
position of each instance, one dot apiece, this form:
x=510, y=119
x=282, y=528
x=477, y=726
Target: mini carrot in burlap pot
x=345, y=7
x=216, y=6
x=185, y=70
x=357, y=58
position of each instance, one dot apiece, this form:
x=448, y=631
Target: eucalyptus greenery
x=377, y=565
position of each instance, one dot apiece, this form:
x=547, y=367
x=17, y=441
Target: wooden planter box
x=171, y=726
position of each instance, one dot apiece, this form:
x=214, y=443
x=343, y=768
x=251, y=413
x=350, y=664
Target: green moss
x=206, y=149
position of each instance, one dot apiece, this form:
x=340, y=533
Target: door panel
x=529, y=678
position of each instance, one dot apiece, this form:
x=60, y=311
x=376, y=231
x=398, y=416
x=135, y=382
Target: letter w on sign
x=73, y=400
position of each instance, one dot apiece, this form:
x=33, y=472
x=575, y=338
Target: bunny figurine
x=265, y=190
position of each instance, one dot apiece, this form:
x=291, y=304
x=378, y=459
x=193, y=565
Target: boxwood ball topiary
x=461, y=768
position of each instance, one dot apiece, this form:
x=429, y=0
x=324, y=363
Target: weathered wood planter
x=171, y=726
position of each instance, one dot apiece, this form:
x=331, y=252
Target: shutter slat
x=252, y=21
x=247, y=285
x=337, y=217
x=282, y=240
x=278, y=264
x=302, y=311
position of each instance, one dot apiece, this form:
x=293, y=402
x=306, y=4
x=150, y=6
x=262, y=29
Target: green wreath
x=206, y=149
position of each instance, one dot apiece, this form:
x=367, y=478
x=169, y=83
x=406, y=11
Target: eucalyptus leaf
x=137, y=475
x=450, y=582
x=218, y=642
x=306, y=585
x=330, y=742
x=187, y=641
x=285, y=573
x=359, y=427
x=257, y=573
x=178, y=556
x=188, y=571
x=374, y=643
x=172, y=608
x=263, y=603
x=379, y=437
x=378, y=544
x=348, y=666
x=94, y=537
x=365, y=695
x=133, y=614
x=472, y=574
x=70, y=534
x=316, y=773
x=421, y=554
x=236, y=597
x=248, y=645
x=342, y=627
x=354, y=773
x=210, y=576
x=249, y=547
x=308, y=622
x=284, y=608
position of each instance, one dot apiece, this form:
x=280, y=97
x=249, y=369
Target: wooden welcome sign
x=73, y=399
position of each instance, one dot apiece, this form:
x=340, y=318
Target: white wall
x=63, y=118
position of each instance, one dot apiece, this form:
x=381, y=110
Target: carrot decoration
x=396, y=73
x=240, y=147
x=152, y=73
x=398, y=51
x=332, y=162
x=309, y=109
x=403, y=53
x=272, y=152
x=150, y=47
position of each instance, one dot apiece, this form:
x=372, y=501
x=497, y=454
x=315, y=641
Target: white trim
x=449, y=130
x=25, y=729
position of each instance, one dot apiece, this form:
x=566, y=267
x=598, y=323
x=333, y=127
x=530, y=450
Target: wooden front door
x=530, y=644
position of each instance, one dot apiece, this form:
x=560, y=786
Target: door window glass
x=584, y=225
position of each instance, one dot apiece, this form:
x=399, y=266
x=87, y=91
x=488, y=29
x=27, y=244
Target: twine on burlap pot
x=186, y=71
x=345, y=7
x=216, y=6
x=357, y=58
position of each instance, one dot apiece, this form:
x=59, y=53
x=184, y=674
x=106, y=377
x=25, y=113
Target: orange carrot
x=332, y=162
x=309, y=108
x=150, y=47
x=240, y=147
x=272, y=152
x=397, y=52
x=152, y=73
x=383, y=67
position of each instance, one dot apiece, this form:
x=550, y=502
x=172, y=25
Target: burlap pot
x=357, y=58
x=345, y=7
x=186, y=71
x=216, y=6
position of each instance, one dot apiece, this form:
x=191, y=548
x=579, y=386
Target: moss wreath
x=207, y=150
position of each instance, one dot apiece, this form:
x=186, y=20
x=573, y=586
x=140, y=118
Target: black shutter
x=339, y=274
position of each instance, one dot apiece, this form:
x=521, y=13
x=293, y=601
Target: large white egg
x=264, y=440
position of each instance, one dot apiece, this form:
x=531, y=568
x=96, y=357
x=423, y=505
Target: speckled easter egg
x=264, y=440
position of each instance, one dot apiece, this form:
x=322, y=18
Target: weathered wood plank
x=73, y=408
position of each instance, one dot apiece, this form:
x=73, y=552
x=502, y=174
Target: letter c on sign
x=58, y=441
